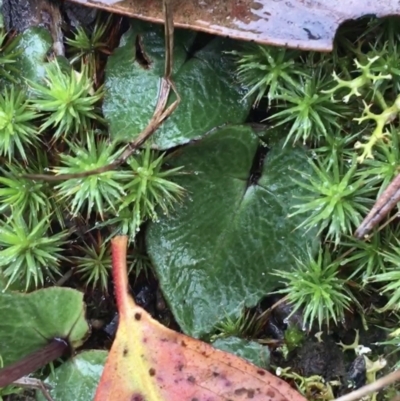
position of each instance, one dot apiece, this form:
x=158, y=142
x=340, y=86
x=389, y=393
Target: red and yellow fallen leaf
x=149, y=362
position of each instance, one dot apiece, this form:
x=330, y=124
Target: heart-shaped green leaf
x=206, y=81
x=215, y=254
x=252, y=351
x=76, y=379
x=33, y=45
x=29, y=321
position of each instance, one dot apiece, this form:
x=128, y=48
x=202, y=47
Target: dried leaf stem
x=385, y=203
x=371, y=388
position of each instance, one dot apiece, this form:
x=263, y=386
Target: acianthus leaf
x=206, y=81
x=33, y=45
x=149, y=362
x=29, y=321
x=215, y=253
x=250, y=350
x=76, y=379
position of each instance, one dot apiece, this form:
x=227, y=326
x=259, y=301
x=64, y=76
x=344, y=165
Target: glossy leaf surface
x=206, y=81
x=215, y=253
x=77, y=378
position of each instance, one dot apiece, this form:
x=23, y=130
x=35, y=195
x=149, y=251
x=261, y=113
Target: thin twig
x=60, y=282
x=371, y=388
x=161, y=113
x=35, y=384
x=385, y=203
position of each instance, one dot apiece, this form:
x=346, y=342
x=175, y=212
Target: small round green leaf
x=215, y=253
x=33, y=45
x=76, y=379
x=30, y=321
x=250, y=350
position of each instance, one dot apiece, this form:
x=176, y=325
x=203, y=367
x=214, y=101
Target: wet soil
x=321, y=355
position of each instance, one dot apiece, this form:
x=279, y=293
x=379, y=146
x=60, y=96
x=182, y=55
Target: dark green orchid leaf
x=206, y=81
x=76, y=379
x=29, y=321
x=250, y=350
x=215, y=253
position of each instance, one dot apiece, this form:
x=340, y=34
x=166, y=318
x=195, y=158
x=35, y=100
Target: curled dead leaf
x=309, y=25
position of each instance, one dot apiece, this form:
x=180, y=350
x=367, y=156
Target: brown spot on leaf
x=138, y=316
x=152, y=372
x=245, y=391
x=137, y=397
x=191, y=379
x=125, y=352
x=183, y=343
x=261, y=372
x=270, y=394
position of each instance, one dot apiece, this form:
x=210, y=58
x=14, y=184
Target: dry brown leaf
x=306, y=24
